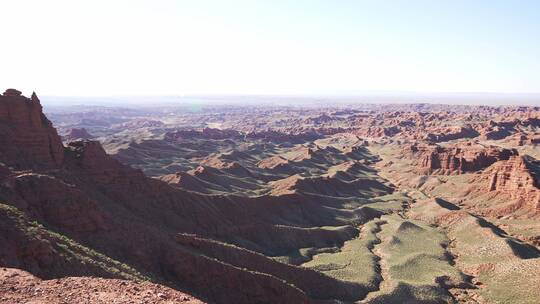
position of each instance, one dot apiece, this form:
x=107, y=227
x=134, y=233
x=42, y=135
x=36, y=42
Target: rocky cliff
x=517, y=179
x=456, y=159
x=27, y=137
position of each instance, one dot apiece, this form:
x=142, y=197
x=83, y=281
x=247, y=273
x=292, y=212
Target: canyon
x=361, y=203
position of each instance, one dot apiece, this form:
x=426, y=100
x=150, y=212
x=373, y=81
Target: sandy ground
x=17, y=286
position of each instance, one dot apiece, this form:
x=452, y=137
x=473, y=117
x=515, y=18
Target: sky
x=275, y=47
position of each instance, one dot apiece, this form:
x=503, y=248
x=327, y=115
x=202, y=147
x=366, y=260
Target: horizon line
x=359, y=94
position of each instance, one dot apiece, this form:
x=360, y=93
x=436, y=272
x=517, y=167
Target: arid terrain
x=359, y=203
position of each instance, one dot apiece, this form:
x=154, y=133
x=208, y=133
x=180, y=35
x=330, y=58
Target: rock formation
x=517, y=179
x=27, y=137
x=76, y=133
x=456, y=159
x=12, y=93
x=451, y=134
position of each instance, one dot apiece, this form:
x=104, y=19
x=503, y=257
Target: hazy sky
x=149, y=47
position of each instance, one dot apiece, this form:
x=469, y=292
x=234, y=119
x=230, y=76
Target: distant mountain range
x=473, y=98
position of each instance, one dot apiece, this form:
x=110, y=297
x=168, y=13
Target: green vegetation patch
x=68, y=255
x=355, y=262
x=416, y=254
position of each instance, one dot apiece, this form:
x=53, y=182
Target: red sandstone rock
x=458, y=159
x=27, y=137
x=516, y=179
x=12, y=93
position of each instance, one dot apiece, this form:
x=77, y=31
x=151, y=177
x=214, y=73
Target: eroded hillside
x=357, y=204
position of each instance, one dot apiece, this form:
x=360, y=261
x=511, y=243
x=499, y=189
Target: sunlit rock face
x=456, y=159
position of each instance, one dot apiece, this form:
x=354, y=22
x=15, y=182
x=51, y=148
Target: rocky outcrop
x=27, y=137
x=75, y=134
x=456, y=159
x=451, y=134
x=12, y=93
x=516, y=178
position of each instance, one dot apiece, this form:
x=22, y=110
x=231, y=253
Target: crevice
x=380, y=266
